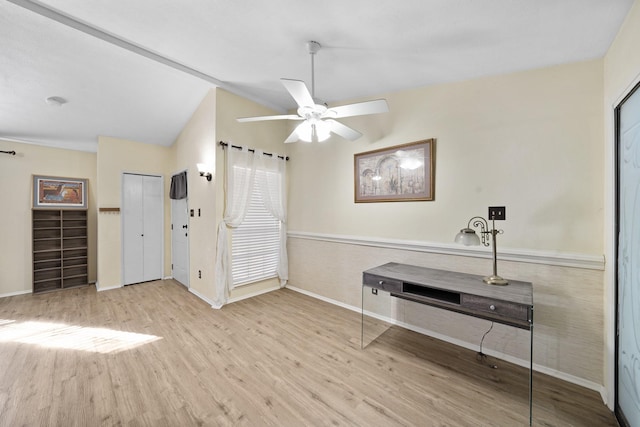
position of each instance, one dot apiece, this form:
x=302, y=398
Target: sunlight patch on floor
x=60, y=335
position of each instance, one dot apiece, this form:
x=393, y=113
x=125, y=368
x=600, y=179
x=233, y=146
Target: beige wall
x=214, y=121
x=116, y=156
x=15, y=216
x=531, y=141
x=196, y=144
x=621, y=74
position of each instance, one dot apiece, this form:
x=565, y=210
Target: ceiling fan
x=317, y=119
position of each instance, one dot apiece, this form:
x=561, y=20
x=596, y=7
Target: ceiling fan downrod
x=313, y=47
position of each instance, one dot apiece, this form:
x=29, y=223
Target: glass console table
x=511, y=305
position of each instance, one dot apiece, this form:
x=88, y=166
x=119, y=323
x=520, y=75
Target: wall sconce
x=204, y=171
x=468, y=237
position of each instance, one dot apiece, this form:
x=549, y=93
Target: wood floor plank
x=155, y=355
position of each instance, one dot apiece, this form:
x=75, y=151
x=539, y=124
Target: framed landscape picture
x=59, y=193
x=402, y=173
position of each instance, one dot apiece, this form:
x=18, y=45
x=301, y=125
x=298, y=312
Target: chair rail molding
x=563, y=259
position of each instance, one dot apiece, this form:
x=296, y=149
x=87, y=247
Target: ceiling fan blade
x=293, y=137
x=344, y=131
x=359, y=109
x=299, y=92
x=261, y=118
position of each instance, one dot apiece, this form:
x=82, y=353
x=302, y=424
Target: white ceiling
x=137, y=69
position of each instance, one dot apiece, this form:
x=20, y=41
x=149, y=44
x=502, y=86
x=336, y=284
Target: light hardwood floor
x=154, y=354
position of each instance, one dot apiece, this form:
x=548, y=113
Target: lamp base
x=495, y=280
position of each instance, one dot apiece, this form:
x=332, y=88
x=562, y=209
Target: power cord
x=480, y=356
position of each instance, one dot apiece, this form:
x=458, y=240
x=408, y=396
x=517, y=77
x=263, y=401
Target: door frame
x=612, y=101
x=188, y=284
x=162, y=219
x=634, y=90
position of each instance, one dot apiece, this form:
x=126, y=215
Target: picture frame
x=52, y=192
x=402, y=173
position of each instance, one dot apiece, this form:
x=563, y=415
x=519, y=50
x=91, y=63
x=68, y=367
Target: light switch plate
x=497, y=213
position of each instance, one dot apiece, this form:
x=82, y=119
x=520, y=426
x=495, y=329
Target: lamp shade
x=467, y=237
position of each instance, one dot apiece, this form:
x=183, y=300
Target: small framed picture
x=59, y=193
x=402, y=173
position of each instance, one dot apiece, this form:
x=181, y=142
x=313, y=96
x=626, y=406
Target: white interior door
x=142, y=228
x=132, y=229
x=628, y=286
x=180, y=240
x=152, y=227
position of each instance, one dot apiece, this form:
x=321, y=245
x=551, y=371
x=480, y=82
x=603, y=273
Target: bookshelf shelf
x=60, y=257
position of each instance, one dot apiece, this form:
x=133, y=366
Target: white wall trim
x=13, y=294
x=253, y=294
x=520, y=362
x=325, y=299
x=99, y=289
x=563, y=259
x=204, y=298
x=88, y=146
x=232, y=300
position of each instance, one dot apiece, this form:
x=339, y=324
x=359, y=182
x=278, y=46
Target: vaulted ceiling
x=137, y=69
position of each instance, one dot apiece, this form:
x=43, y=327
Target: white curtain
x=240, y=174
x=240, y=168
x=272, y=186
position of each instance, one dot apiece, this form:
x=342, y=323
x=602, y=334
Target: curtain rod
x=224, y=144
x=13, y=153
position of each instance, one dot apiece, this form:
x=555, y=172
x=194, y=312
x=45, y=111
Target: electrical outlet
x=374, y=291
x=191, y=212
x=497, y=212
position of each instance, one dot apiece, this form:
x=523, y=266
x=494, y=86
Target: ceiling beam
x=58, y=16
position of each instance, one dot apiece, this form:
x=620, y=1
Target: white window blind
x=255, y=244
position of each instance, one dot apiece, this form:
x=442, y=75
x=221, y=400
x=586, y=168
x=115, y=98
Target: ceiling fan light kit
x=317, y=119
x=310, y=131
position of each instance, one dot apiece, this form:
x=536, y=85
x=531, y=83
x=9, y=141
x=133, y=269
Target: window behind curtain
x=255, y=244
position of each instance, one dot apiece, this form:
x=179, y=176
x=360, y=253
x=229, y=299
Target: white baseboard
x=253, y=294
x=13, y=294
x=325, y=299
x=498, y=355
x=204, y=298
x=25, y=292
x=232, y=300
x=101, y=289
